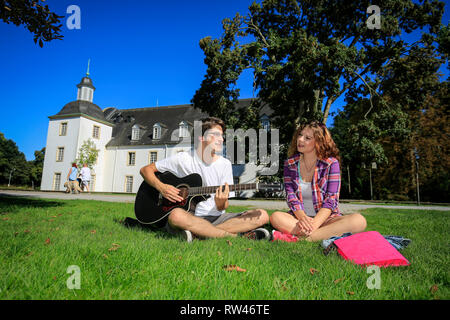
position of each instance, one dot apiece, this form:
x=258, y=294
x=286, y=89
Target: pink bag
x=367, y=248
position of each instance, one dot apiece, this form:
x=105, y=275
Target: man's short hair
x=209, y=122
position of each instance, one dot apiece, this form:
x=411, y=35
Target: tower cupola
x=86, y=88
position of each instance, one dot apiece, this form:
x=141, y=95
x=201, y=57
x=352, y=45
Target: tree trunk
x=300, y=113
x=327, y=108
x=317, y=101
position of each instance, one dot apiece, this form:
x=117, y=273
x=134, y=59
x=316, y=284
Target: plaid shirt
x=326, y=184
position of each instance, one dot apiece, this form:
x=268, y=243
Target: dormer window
x=183, y=130
x=265, y=122
x=157, y=131
x=135, y=132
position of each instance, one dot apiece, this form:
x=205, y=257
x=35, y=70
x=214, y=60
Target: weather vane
x=87, y=72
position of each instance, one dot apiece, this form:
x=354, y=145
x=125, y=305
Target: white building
x=128, y=139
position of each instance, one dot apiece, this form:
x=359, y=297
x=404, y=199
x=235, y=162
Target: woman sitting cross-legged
x=312, y=181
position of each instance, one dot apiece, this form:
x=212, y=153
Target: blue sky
x=142, y=53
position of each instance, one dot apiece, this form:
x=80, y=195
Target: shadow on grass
x=133, y=224
x=23, y=201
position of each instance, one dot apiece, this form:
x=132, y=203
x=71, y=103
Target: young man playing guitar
x=210, y=220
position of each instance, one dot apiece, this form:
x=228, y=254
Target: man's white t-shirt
x=85, y=174
x=214, y=174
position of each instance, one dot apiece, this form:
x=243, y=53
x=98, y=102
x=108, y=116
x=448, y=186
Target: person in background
x=312, y=180
x=85, y=174
x=73, y=185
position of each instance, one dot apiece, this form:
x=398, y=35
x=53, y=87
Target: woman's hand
x=304, y=225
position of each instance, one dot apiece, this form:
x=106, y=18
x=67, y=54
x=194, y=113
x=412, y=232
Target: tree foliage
x=306, y=54
x=412, y=132
x=12, y=162
x=35, y=16
x=37, y=166
x=88, y=153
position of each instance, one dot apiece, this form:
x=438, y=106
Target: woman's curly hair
x=325, y=146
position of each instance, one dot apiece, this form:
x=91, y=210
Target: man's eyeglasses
x=216, y=134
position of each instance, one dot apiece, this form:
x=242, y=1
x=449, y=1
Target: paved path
x=68, y=196
x=265, y=204
x=344, y=207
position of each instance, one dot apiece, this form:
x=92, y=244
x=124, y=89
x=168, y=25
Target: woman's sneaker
x=277, y=235
x=256, y=234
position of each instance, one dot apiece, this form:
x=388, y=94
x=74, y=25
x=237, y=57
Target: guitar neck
x=233, y=187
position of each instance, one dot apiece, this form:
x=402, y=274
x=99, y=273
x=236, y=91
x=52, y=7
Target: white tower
x=74, y=124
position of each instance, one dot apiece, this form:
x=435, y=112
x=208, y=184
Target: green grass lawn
x=40, y=239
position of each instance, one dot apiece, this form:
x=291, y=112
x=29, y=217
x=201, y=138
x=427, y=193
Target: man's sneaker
x=187, y=235
x=277, y=235
x=257, y=234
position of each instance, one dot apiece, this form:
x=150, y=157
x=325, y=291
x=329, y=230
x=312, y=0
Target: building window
x=156, y=131
x=63, y=129
x=60, y=154
x=266, y=125
x=96, y=132
x=129, y=184
x=153, y=157
x=92, y=183
x=131, y=158
x=265, y=122
x=56, y=181
x=183, y=130
x=135, y=132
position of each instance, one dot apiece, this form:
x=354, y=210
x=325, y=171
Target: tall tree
x=444, y=43
x=35, y=16
x=36, y=167
x=306, y=54
x=12, y=163
x=432, y=146
x=404, y=127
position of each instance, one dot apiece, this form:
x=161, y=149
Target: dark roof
x=86, y=82
x=79, y=107
x=109, y=112
x=169, y=117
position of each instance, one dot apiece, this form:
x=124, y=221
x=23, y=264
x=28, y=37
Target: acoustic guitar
x=151, y=207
